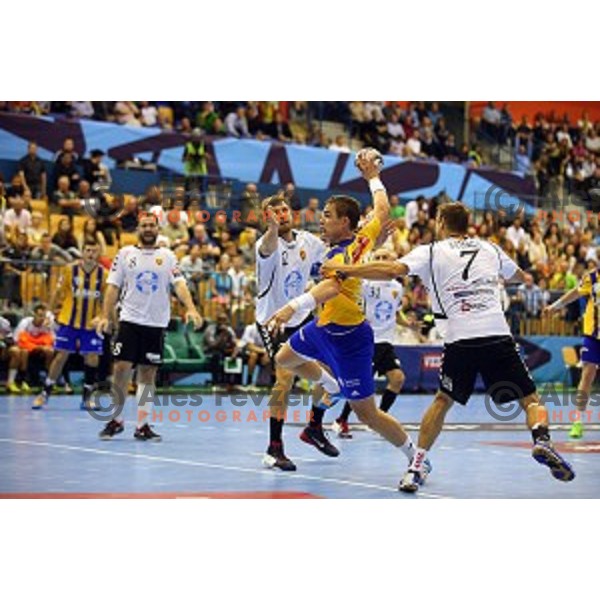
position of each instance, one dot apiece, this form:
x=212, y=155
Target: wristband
x=305, y=302
x=376, y=185
x=558, y=304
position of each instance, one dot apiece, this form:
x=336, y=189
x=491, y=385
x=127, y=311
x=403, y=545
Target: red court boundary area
x=591, y=447
x=158, y=495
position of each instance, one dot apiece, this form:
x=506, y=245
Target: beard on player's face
x=148, y=238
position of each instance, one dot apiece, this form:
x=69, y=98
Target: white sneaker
x=410, y=482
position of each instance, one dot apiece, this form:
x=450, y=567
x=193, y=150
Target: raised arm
x=369, y=163
x=376, y=270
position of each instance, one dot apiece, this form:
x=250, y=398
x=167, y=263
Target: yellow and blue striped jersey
x=589, y=287
x=82, y=296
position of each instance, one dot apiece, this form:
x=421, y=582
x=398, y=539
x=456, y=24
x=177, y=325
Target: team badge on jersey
x=159, y=261
x=302, y=254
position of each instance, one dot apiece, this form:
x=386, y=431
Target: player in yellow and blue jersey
x=341, y=337
x=80, y=291
x=589, y=288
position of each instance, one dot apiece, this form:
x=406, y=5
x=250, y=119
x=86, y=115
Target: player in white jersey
x=141, y=279
x=463, y=276
x=285, y=259
x=381, y=302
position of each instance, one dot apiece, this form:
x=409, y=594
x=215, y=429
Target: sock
x=12, y=373
x=416, y=464
x=316, y=416
x=387, y=399
x=275, y=430
x=345, y=412
x=90, y=375
x=48, y=385
x=330, y=385
x=144, y=396
x=540, y=433
x=408, y=448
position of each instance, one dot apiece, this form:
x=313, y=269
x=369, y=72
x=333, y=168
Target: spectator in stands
x=221, y=285
x=126, y=112
x=279, y=128
x=516, y=234
x=450, y=151
x=220, y=342
x=209, y=251
x=255, y=124
x=440, y=132
x=95, y=171
x=192, y=268
x=434, y=113
x=34, y=337
x=250, y=202
x=522, y=161
x=81, y=109
x=531, y=297
x=340, y=144
x=65, y=167
x=195, y=161
x=253, y=353
x=239, y=282
x=298, y=120
x=17, y=186
x=49, y=254
x=292, y=197
x=65, y=198
x=537, y=248
x=92, y=234
x=33, y=172
x=246, y=244
x=15, y=262
x=413, y=146
x=310, y=217
x=236, y=124
x=37, y=229
x=490, y=122
x=17, y=218
x=175, y=230
x=149, y=114
x=209, y=120
x=68, y=147
x=65, y=239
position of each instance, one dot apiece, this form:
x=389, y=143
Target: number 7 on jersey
x=465, y=274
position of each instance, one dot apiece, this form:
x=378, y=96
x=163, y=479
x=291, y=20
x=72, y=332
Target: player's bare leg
x=56, y=368
x=313, y=434
x=122, y=370
x=145, y=394
x=588, y=375
x=431, y=427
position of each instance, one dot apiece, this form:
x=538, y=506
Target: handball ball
x=369, y=153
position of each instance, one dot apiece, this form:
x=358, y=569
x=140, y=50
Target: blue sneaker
x=328, y=401
x=427, y=468
x=544, y=453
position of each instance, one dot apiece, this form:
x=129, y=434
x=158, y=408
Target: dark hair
x=455, y=217
x=345, y=206
x=90, y=241
x=40, y=306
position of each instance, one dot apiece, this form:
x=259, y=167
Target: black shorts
x=139, y=344
x=274, y=342
x=384, y=358
x=496, y=358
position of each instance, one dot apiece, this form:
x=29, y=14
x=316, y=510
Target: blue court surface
x=215, y=450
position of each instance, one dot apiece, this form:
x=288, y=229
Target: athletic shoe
x=39, y=401
x=145, y=434
x=25, y=389
x=341, y=429
x=89, y=404
x=67, y=389
x=13, y=388
x=329, y=400
x=576, y=430
x=315, y=436
x=544, y=453
x=427, y=468
x=112, y=428
x=410, y=482
x=275, y=457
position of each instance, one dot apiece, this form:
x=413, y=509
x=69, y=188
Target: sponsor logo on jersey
x=383, y=311
x=292, y=285
x=146, y=282
x=361, y=245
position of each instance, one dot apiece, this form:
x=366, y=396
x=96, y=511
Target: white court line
x=192, y=463
x=296, y=458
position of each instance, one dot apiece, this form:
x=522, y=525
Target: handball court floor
x=56, y=452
